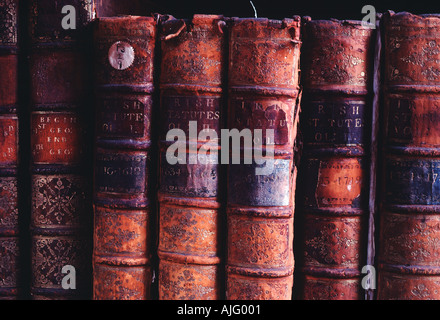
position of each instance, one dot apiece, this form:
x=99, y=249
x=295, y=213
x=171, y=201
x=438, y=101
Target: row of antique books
x=98, y=202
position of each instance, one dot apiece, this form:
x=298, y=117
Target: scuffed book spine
x=190, y=247
x=61, y=208
x=263, y=96
x=332, y=223
x=10, y=257
x=123, y=199
x=409, y=229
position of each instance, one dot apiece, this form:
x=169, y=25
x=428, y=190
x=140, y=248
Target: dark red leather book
x=409, y=259
x=60, y=121
x=333, y=206
x=191, y=200
x=263, y=94
x=9, y=157
x=124, y=167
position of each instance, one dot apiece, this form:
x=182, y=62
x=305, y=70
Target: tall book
x=60, y=122
x=123, y=198
x=409, y=259
x=263, y=96
x=333, y=214
x=9, y=210
x=191, y=201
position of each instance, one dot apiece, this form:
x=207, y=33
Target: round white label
x=121, y=55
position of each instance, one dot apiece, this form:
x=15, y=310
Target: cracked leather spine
x=408, y=261
x=123, y=256
x=191, y=197
x=60, y=165
x=263, y=94
x=10, y=244
x=332, y=220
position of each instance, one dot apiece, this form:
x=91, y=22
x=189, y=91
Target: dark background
x=274, y=9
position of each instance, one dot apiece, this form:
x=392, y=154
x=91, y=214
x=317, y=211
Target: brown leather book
x=332, y=219
x=263, y=94
x=60, y=165
x=191, y=200
x=9, y=210
x=123, y=199
x=409, y=258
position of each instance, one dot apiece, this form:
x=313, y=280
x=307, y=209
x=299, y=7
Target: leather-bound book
x=123, y=202
x=9, y=210
x=333, y=205
x=60, y=121
x=191, y=200
x=409, y=229
x=263, y=100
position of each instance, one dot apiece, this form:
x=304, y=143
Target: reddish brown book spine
x=61, y=207
x=332, y=225
x=123, y=202
x=409, y=259
x=193, y=55
x=9, y=212
x=262, y=94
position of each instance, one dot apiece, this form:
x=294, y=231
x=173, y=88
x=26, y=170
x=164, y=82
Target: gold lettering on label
x=126, y=171
x=342, y=110
x=60, y=151
x=314, y=122
x=8, y=131
x=210, y=102
x=358, y=123
x=57, y=119
x=356, y=110
x=56, y=139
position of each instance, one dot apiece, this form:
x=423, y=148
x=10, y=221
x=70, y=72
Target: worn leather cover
x=409, y=261
x=191, y=200
x=332, y=223
x=60, y=123
x=9, y=210
x=123, y=201
x=263, y=93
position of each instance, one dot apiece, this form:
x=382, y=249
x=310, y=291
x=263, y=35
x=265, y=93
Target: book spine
x=60, y=171
x=193, y=64
x=336, y=125
x=409, y=263
x=123, y=201
x=9, y=156
x=263, y=94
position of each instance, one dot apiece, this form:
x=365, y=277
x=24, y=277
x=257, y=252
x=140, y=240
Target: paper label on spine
x=121, y=55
